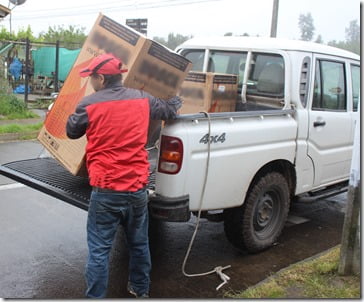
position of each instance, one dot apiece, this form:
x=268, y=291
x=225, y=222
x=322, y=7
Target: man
x=115, y=120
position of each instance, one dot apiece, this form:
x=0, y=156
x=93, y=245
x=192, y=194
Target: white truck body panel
x=248, y=147
x=320, y=155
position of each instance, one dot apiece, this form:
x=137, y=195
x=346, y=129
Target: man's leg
x=102, y=223
x=136, y=229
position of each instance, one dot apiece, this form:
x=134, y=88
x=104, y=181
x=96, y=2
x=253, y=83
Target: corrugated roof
x=4, y=11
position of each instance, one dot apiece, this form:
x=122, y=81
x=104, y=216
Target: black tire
x=257, y=224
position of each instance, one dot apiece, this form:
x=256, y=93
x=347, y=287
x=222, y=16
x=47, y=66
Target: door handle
x=319, y=123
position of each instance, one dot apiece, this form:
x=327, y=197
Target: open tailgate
x=48, y=176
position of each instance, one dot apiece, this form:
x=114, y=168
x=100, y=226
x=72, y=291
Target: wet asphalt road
x=43, y=246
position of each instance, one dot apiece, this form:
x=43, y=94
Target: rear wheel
x=256, y=224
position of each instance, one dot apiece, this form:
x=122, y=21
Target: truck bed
x=50, y=177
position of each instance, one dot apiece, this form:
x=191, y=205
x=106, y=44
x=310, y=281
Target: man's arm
x=163, y=109
x=77, y=122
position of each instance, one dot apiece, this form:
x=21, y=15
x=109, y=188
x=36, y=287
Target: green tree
x=173, y=40
x=161, y=40
x=6, y=35
x=353, y=37
x=230, y=34
x=352, y=42
x=338, y=44
x=305, y=23
x=23, y=34
x=319, y=39
x=353, y=32
x=71, y=37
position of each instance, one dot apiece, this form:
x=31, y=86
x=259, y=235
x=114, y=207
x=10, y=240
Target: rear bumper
x=169, y=209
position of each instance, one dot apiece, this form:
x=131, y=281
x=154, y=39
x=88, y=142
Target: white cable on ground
x=218, y=270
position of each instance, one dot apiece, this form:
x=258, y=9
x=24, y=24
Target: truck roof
x=239, y=43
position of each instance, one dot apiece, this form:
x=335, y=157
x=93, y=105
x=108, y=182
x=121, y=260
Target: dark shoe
x=132, y=292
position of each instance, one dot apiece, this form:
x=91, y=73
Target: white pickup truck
x=290, y=137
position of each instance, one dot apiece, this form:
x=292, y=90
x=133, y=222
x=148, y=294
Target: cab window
x=266, y=79
x=227, y=62
x=329, y=86
x=355, y=79
x=197, y=58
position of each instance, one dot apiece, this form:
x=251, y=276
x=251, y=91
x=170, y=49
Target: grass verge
x=19, y=116
x=317, y=278
x=16, y=128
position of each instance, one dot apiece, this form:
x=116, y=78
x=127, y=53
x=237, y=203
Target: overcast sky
x=195, y=17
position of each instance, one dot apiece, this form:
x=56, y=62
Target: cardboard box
x=209, y=92
x=151, y=67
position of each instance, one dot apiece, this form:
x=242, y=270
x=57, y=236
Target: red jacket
x=115, y=121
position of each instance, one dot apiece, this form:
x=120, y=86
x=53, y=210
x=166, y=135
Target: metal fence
x=34, y=67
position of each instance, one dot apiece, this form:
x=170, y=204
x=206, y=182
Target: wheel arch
x=239, y=225
x=282, y=166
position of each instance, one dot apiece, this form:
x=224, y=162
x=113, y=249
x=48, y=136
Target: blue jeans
x=106, y=212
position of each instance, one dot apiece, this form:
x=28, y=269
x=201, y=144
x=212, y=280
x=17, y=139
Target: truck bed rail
x=237, y=114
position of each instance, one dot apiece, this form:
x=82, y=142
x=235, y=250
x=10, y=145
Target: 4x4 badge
x=213, y=138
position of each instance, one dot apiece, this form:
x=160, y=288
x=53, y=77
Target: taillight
x=171, y=154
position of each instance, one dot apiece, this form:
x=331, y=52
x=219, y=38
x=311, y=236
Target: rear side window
x=266, y=79
x=197, y=58
x=227, y=62
x=355, y=79
x=330, y=88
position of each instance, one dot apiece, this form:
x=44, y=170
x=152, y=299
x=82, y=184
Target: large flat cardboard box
x=210, y=92
x=151, y=67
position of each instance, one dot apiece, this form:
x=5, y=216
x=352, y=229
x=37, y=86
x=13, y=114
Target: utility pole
x=350, y=242
x=273, y=28
x=27, y=69
x=16, y=3
x=56, y=88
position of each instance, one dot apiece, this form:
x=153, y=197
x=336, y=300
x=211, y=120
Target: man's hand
x=176, y=102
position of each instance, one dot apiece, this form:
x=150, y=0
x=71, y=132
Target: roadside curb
x=20, y=136
x=22, y=121
x=276, y=274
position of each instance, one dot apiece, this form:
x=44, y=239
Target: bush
x=11, y=104
x=11, y=108
x=5, y=87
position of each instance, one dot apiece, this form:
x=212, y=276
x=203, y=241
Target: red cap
x=103, y=64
